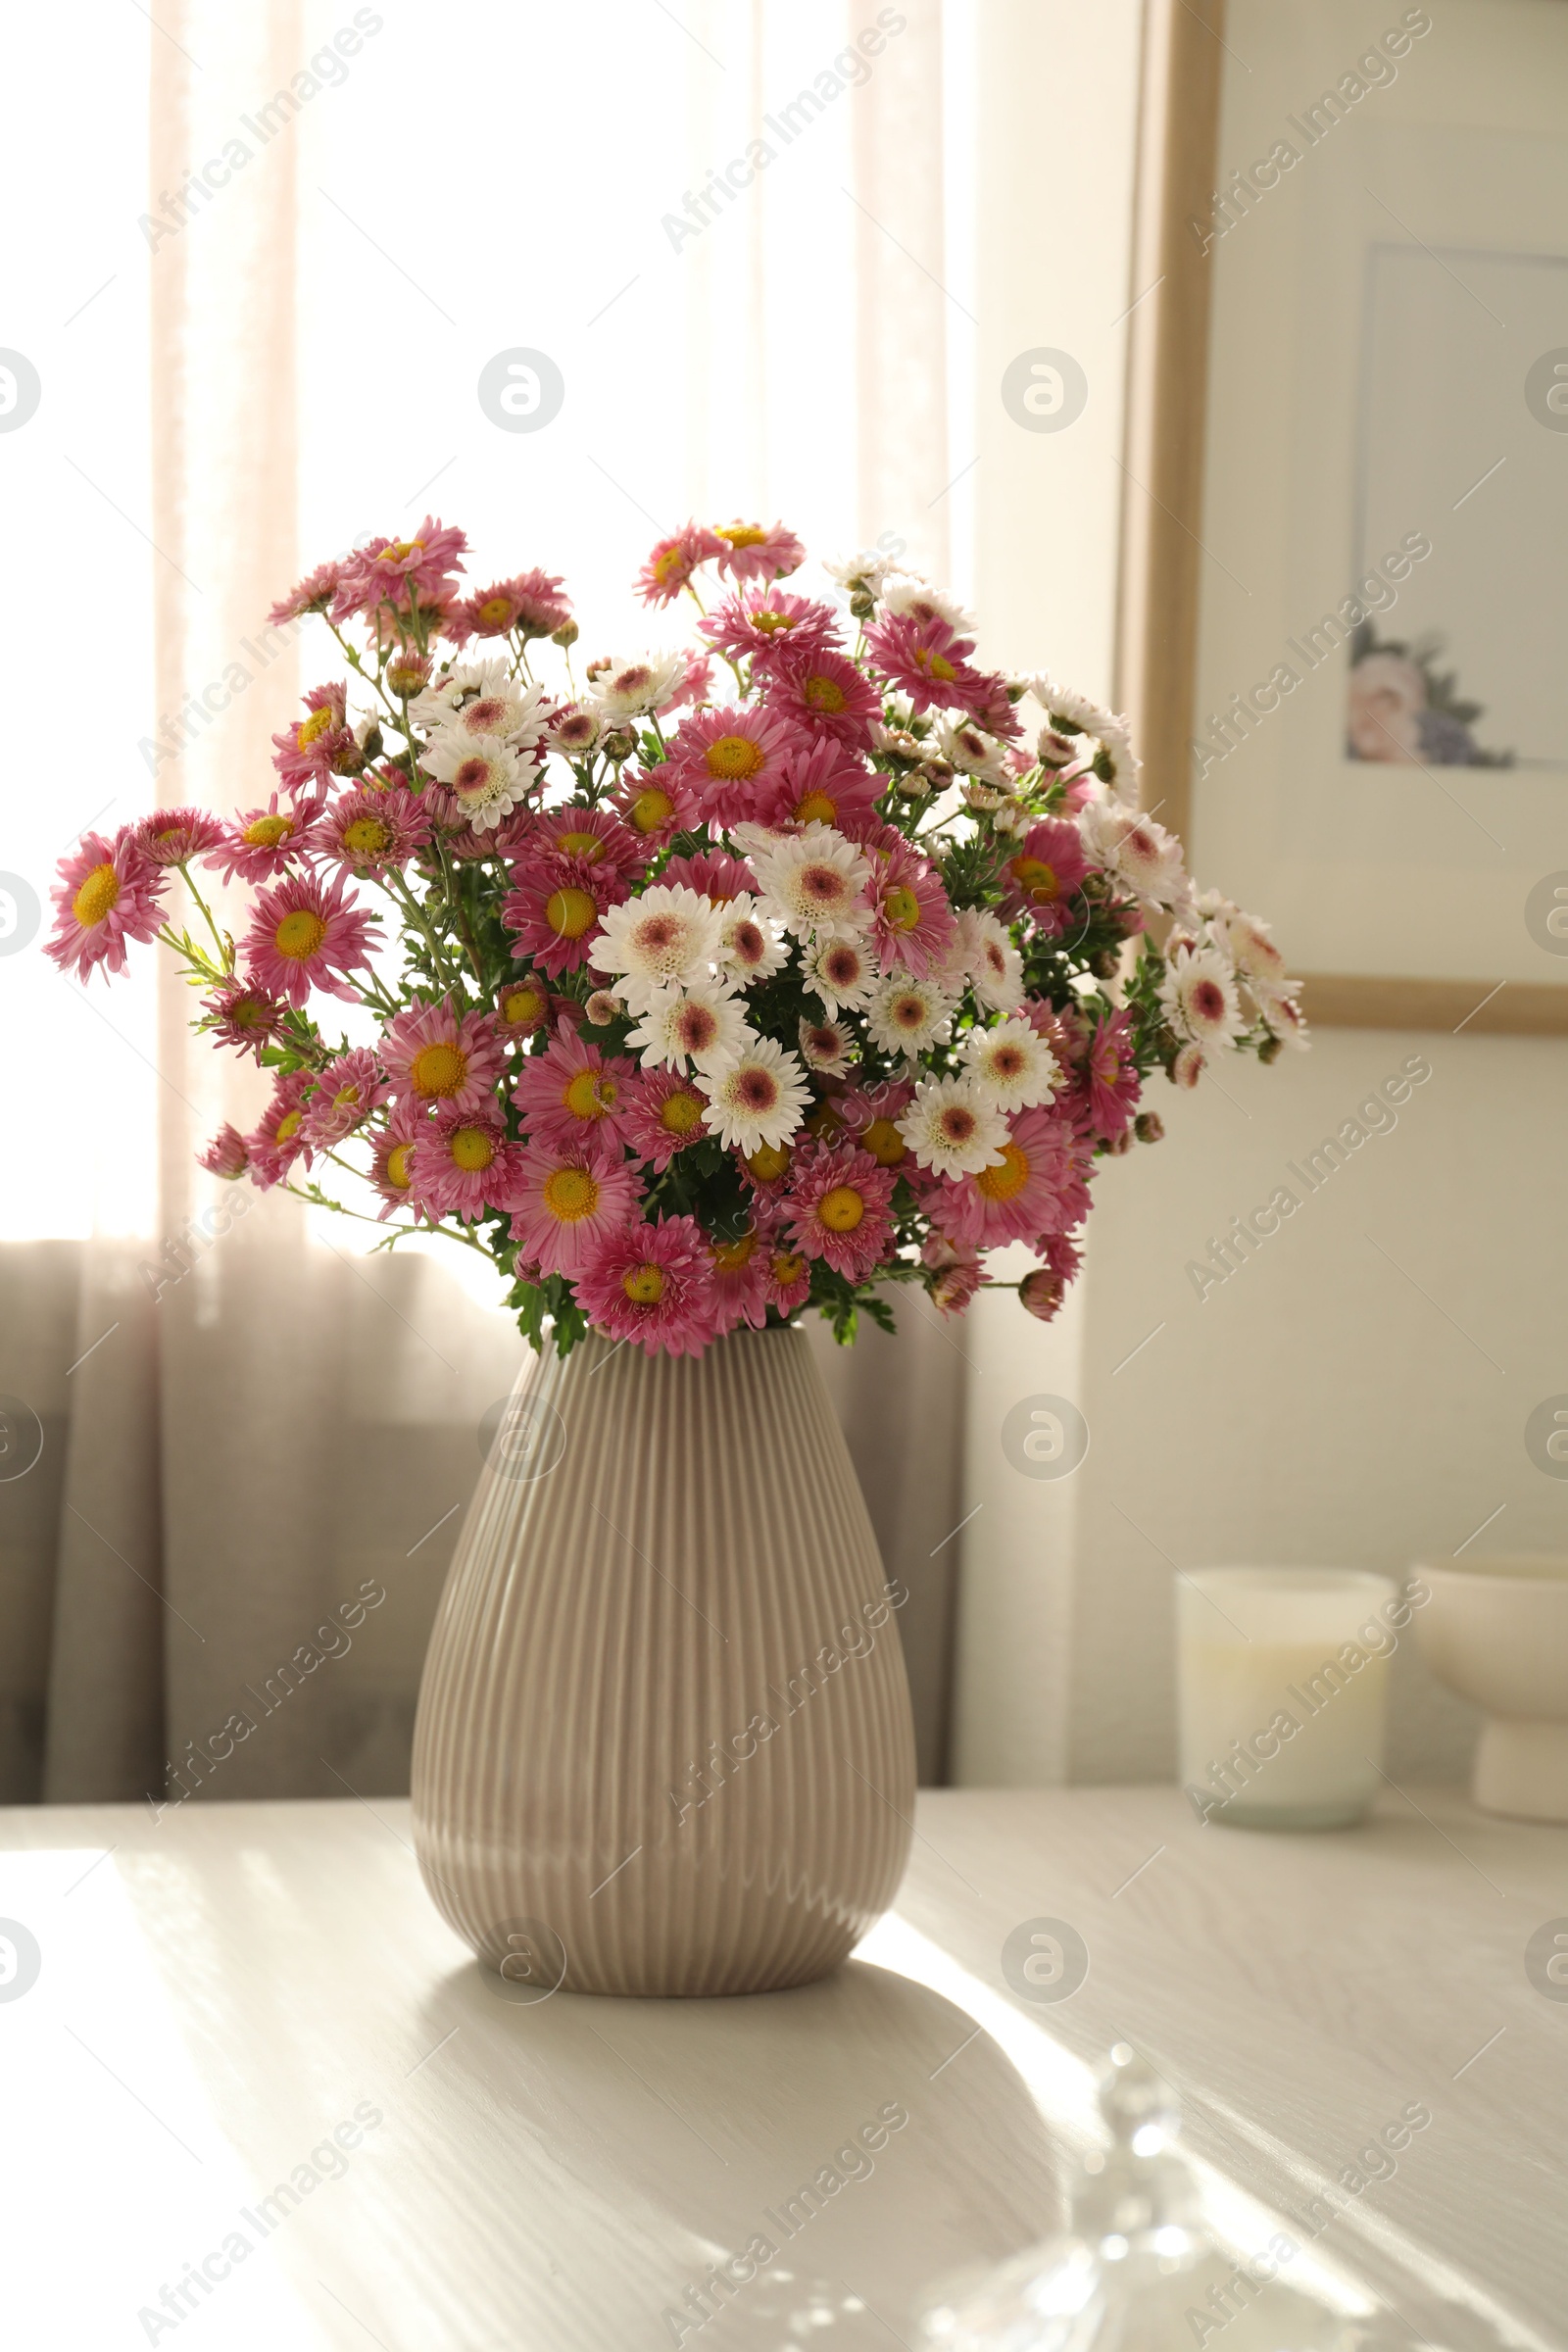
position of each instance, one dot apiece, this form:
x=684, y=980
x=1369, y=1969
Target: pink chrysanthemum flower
x=1044, y=874
x=408, y=672
x=1115, y=1084
x=305, y=934
x=463, y=1164
x=825, y=694
x=955, y=1274
x=595, y=835
x=654, y=806
x=765, y=625
x=572, y=1092
x=786, y=1277
x=838, y=1208
x=1036, y=1188
x=928, y=660
x=827, y=1047
x=713, y=873
x=399, y=572
x=556, y=907
x=311, y=595
x=278, y=1138
x=912, y=924
x=369, y=830
x=727, y=760
x=822, y=784
x=174, y=836
x=654, y=1286
x=242, y=1015
x=672, y=561
x=392, y=1148
x=435, y=1054
x=534, y=603
x=304, y=752
x=523, y=1007
x=751, y=553
x=225, y=1155
x=261, y=843
x=739, y=1278
x=663, y=1113
x=347, y=1091
x=569, y=1200
x=870, y=1114
x=693, y=684
x=506, y=840
x=106, y=894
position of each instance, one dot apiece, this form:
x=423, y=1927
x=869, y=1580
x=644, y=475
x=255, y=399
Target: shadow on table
x=861, y=2127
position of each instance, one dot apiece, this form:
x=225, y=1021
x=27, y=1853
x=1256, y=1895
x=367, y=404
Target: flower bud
x=1149, y=1127
x=566, y=635
x=1040, y=1294
x=620, y=744
x=1271, y=1048
x=603, y=1007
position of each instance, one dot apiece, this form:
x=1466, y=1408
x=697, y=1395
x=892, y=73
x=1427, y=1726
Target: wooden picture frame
x=1163, y=509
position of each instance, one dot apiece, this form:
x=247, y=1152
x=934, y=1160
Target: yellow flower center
x=438, y=1069
x=824, y=694
x=770, y=625
x=1037, y=880
x=320, y=723
x=644, y=1286
x=815, y=809
x=590, y=1095
x=579, y=845
x=682, y=1113
x=901, y=910
x=346, y=1096
x=397, y=1167
x=884, y=1143
x=287, y=1127
x=734, y=756
x=730, y=1257
x=768, y=1161
x=472, y=1150
x=1005, y=1182
x=570, y=1195
x=742, y=534
x=651, y=809
x=366, y=836
x=520, y=1008
x=788, y=1266
x=398, y=551
x=248, y=1014
x=842, y=1210
x=97, y=896
x=267, y=831
x=669, y=563
x=299, y=935
x=494, y=610
x=569, y=912
x=934, y=666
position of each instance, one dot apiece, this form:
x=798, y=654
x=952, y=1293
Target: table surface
x=221, y=1990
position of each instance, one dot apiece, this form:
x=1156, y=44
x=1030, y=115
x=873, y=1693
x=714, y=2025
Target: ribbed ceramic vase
x=663, y=1743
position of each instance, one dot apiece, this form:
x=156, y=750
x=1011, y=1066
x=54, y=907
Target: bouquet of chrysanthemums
x=698, y=986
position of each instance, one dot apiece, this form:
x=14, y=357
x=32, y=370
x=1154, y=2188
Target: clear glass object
x=1139, y=2270
x=1282, y=1690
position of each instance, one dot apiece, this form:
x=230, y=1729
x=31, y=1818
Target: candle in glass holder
x=1282, y=1678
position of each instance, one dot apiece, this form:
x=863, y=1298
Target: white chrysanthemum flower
x=867, y=569
x=508, y=713
x=667, y=937
x=984, y=954
x=629, y=686
x=1199, y=996
x=828, y=1047
x=974, y=753
x=1013, y=818
x=904, y=592
x=756, y=1096
x=1115, y=739
x=951, y=1128
x=1087, y=718
x=702, y=1023
x=576, y=732
x=1011, y=1067
x=1141, y=854
x=813, y=881
x=485, y=777
x=1285, y=1019
x=841, y=970
x=1250, y=946
x=749, y=948
x=436, y=703
x=906, y=1014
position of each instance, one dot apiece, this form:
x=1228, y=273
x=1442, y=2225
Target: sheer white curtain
x=308, y=229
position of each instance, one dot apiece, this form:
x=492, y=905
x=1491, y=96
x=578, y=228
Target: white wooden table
x=226, y=1998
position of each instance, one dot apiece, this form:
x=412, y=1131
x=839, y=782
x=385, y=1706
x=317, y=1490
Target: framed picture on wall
x=1363, y=465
